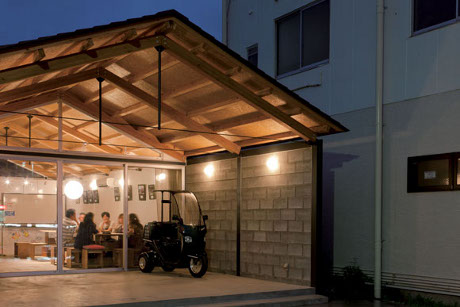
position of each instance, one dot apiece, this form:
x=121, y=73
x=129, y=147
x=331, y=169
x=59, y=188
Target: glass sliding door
x=92, y=230
x=28, y=216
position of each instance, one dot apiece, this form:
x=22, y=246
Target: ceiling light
x=73, y=189
x=93, y=185
x=162, y=176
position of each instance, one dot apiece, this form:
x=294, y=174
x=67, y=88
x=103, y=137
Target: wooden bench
x=133, y=254
x=68, y=251
x=99, y=252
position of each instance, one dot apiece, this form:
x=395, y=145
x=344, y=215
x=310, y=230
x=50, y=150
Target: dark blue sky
x=29, y=19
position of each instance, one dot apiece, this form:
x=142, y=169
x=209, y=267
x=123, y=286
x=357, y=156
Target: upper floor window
x=253, y=54
x=303, y=38
x=429, y=14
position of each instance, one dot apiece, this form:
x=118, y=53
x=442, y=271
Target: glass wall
x=28, y=216
x=144, y=202
x=92, y=230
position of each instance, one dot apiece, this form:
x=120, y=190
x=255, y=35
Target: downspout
x=225, y=14
x=379, y=152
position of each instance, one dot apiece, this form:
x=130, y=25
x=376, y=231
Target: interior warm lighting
x=26, y=182
x=40, y=191
x=209, y=170
x=7, y=181
x=73, y=189
x=121, y=182
x=272, y=163
x=93, y=185
x=162, y=176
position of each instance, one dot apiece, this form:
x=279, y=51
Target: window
x=303, y=38
x=253, y=54
x=431, y=13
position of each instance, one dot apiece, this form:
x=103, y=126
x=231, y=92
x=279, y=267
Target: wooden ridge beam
x=245, y=94
x=124, y=127
x=78, y=59
x=171, y=112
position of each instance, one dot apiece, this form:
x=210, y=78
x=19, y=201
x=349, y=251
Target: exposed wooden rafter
x=123, y=127
x=171, y=112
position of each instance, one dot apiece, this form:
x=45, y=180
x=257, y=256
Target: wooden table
x=47, y=235
x=24, y=250
x=98, y=236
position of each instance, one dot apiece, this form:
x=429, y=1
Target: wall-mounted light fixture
x=73, y=189
x=273, y=163
x=26, y=182
x=93, y=185
x=209, y=170
x=162, y=177
x=7, y=181
x=121, y=182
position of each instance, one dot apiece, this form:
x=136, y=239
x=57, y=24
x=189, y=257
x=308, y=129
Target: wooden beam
x=27, y=105
x=226, y=82
x=123, y=127
x=76, y=134
x=78, y=59
x=47, y=86
x=247, y=142
x=212, y=107
x=171, y=112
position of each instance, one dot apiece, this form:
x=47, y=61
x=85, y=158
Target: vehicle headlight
x=188, y=239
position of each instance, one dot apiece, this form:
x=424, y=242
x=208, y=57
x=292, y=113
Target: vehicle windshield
x=189, y=210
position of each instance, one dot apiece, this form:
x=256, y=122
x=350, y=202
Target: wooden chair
x=133, y=254
x=68, y=252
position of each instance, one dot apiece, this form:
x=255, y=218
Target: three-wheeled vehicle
x=178, y=239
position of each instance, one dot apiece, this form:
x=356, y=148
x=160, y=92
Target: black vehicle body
x=178, y=239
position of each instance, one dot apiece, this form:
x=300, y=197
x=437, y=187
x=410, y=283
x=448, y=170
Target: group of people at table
x=81, y=231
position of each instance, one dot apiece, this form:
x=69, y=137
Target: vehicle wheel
x=168, y=268
x=145, y=265
x=198, y=266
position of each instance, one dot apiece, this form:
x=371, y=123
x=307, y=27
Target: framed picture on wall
x=141, y=188
x=96, y=196
x=151, y=191
x=116, y=192
x=85, y=197
x=130, y=192
x=90, y=197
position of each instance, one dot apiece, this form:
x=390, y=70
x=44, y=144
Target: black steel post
x=6, y=135
x=159, y=49
x=30, y=130
x=100, y=79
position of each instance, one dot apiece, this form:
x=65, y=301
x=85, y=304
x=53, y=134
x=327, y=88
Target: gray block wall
x=275, y=215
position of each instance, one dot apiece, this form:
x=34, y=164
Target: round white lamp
x=209, y=170
x=73, y=189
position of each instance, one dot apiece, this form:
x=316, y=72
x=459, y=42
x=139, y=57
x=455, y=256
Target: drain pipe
x=378, y=153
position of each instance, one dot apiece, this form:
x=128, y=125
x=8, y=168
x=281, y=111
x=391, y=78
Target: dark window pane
x=428, y=13
x=315, y=34
x=433, y=173
x=288, y=44
x=253, y=55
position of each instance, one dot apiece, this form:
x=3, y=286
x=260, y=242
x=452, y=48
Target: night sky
x=29, y=19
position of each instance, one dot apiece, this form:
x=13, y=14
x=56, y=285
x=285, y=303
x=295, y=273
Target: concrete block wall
x=275, y=215
x=217, y=197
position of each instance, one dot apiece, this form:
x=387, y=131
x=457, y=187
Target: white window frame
x=310, y=66
x=433, y=27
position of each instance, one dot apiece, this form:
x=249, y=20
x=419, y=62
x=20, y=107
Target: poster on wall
x=151, y=191
x=116, y=192
x=85, y=197
x=96, y=196
x=141, y=190
x=90, y=197
x=130, y=192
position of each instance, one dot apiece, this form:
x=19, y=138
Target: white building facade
x=325, y=51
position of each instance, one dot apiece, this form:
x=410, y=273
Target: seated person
x=135, y=232
x=106, y=225
x=118, y=228
x=69, y=228
x=81, y=217
x=85, y=232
